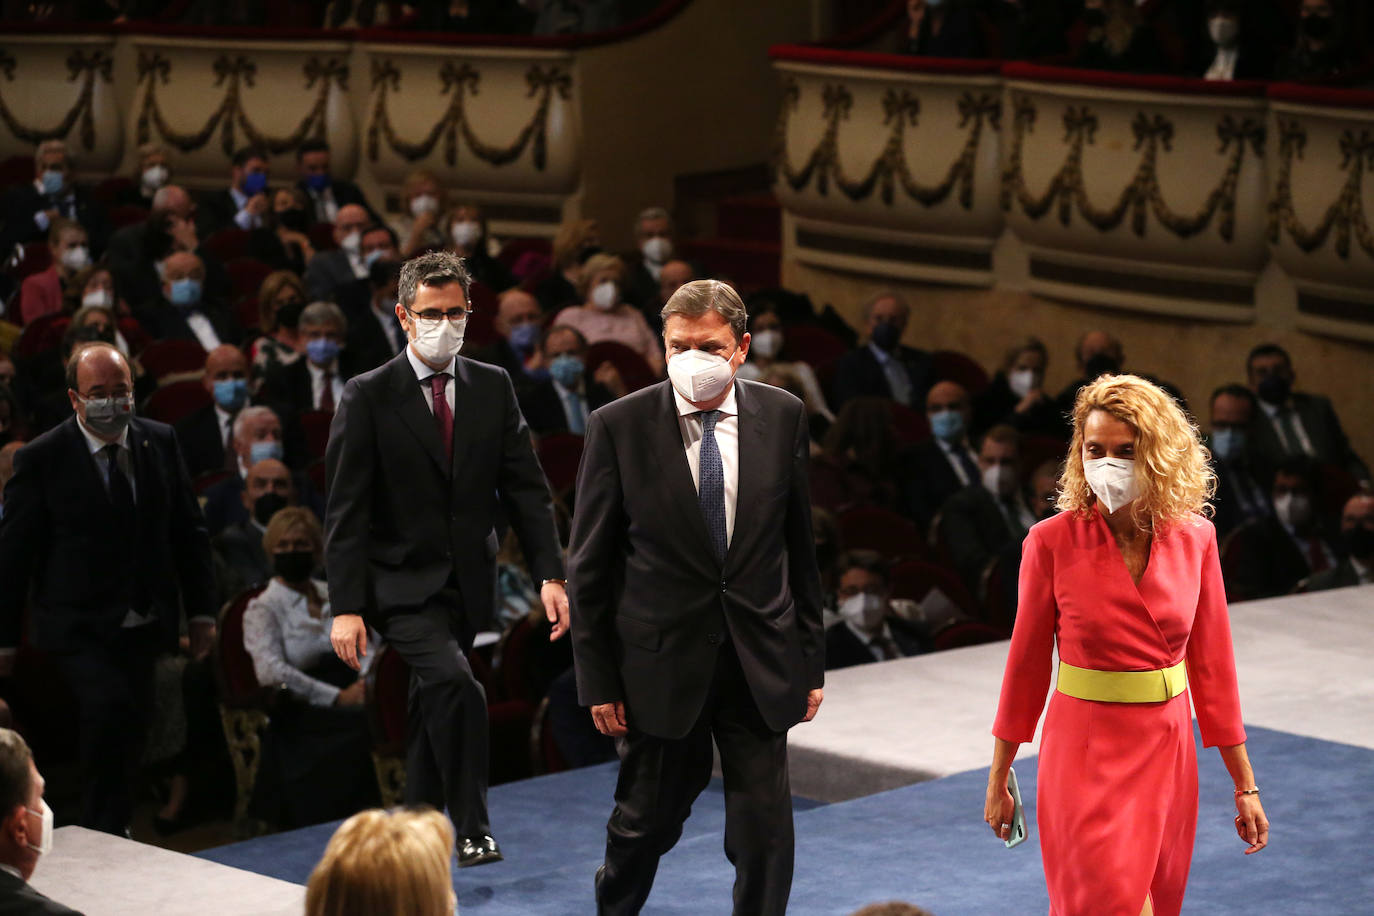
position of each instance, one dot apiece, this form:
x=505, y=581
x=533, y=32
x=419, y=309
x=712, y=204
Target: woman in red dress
x=1126, y=580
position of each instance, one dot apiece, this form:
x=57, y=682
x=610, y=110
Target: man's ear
x=15, y=826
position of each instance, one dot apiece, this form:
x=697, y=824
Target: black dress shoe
x=478, y=850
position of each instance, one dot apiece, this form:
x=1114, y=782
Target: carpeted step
x=756, y=217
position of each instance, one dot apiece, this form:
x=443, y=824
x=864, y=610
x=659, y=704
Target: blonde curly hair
x=1175, y=470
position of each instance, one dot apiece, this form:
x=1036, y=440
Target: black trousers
x=446, y=732
x=113, y=684
x=660, y=778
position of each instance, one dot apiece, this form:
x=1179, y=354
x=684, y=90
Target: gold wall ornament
x=234, y=73
x=1068, y=193
x=900, y=110
x=1345, y=215
x=457, y=81
x=81, y=66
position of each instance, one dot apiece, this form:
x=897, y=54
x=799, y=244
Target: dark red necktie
x=443, y=415
x=327, y=393
x=1316, y=557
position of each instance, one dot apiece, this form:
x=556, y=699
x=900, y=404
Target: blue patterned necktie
x=711, y=489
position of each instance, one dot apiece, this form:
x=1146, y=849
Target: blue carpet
x=924, y=843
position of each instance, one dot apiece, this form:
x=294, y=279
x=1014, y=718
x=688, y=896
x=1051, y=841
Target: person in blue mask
x=259, y=435
x=567, y=392
x=1240, y=496
x=327, y=193
x=186, y=309
x=518, y=324
x=316, y=382
x=884, y=367
x=29, y=210
x=206, y=434
x=945, y=463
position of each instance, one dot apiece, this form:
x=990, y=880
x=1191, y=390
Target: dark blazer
x=500, y=353
x=164, y=321
x=1323, y=428
x=1270, y=563
x=651, y=604
x=543, y=408
x=215, y=210
x=202, y=440
x=929, y=481
x=326, y=273
x=997, y=404
x=58, y=535
x=22, y=202
x=288, y=388
x=402, y=521
x=1234, y=481
x=858, y=373
x=368, y=345
x=224, y=501
x=974, y=529
x=240, y=561
x=344, y=192
x=1342, y=575
x=843, y=649
x=18, y=898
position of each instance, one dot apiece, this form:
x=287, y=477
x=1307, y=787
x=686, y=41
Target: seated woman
x=464, y=230
x=281, y=299
x=604, y=314
x=766, y=342
x=95, y=287
x=1017, y=397
x=316, y=760
x=418, y=227
x=291, y=221
x=41, y=293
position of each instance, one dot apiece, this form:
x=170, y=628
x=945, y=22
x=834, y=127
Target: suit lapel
x=414, y=412
x=461, y=407
x=94, y=478
x=672, y=459
x=752, y=428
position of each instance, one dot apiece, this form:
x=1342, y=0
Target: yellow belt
x=1122, y=686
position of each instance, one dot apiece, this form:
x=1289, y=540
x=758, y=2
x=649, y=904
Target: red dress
x=1117, y=785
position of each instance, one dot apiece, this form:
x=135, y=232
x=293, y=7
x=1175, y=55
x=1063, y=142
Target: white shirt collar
x=952, y=448
x=1272, y=410
x=685, y=408
x=95, y=445
x=240, y=198
x=422, y=371
x=1362, y=572
x=5, y=866
x=316, y=372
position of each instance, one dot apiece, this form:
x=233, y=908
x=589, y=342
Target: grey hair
x=653, y=213
x=16, y=780
x=882, y=294
x=433, y=269
x=250, y=414
x=697, y=297
x=319, y=313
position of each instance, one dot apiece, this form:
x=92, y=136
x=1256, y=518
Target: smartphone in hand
x=1018, y=817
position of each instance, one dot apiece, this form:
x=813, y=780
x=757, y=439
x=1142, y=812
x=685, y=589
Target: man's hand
x=183, y=232
x=609, y=719
x=202, y=634
x=813, y=703
x=257, y=205
x=555, y=598
x=348, y=636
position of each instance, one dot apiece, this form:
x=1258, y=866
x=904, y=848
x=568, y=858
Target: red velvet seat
x=874, y=528
x=105, y=192
x=227, y=244
x=914, y=579
x=952, y=366
x=127, y=215
x=559, y=456
x=811, y=344
x=322, y=237
x=315, y=427
x=243, y=701
x=481, y=328
x=634, y=371
x=245, y=278
x=162, y=358
x=15, y=171
x=42, y=334
x=967, y=633
x=512, y=251
x=37, y=258
x=1036, y=450
x=1000, y=589
x=910, y=425
x=248, y=314
x=543, y=748
x=174, y=402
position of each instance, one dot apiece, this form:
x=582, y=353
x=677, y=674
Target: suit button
x=722, y=588
x=713, y=638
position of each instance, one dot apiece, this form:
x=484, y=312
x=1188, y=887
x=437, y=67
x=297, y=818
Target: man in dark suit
x=100, y=518
x=693, y=618
x=986, y=516
x=185, y=309
x=373, y=334
x=1099, y=353
x=29, y=209
x=327, y=194
x=330, y=271
x=945, y=463
x=25, y=831
x=1357, y=537
x=135, y=250
x=517, y=325
x=241, y=562
x=1276, y=552
x=562, y=401
x=258, y=435
x=884, y=367
x=206, y=434
x=867, y=629
x=244, y=204
x=317, y=381
x=1240, y=496
x=1293, y=422
x=410, y=539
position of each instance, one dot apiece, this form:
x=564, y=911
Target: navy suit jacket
x=858, y=374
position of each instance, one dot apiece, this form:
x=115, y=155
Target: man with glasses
x=101, y=520
x=425, y=452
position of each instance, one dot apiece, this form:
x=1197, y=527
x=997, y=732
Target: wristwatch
x=558, y=581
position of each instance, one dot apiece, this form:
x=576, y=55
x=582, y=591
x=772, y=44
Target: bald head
x=514, y=308
x=672, y=277
x=175, y=200
x=267, y=476
x=1099, y=343
x=222, y=364
x=351, y=218
x=95, y=369
x=183, y=264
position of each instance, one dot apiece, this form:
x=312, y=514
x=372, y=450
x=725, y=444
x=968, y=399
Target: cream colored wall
x=1196, y=356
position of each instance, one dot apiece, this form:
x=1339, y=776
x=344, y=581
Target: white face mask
x=76, y=258
x=1021, y=382
x=421, y=204
x=767, y=344
x=440, y=340
x=1113, y=481
x=98, y=297
x=352, y=243
x=864, y=611
x=657, y=250
x=699, y=376
x=605, y=296
x=466, y=233
x=1224, y=30
x=45, y=840
x=1293, y=509
x=155, y=176
x=999, y=479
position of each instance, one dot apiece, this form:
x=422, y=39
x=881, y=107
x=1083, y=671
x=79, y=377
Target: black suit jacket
x=202, y=440
x=543, y=408
x=344, y=192
x=1272, y=564
x=289, y=390
x=327, y=273
x=1323, y=429
x=22, y=202
x=974, y=529
x=224, y=506
x=997, y=404
x=368, y=345
x=929, y=481
x=164, y=321
x=402, y=521
x=1240, y=496
x=844, y=649
x=240, y=561
x=18, y=898
x=58, y=534
x=651, y=604
x=1342, y=575
x=858, y=374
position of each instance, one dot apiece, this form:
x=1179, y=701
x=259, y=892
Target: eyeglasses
x=453, y=315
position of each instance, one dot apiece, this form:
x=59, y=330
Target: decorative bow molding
x=80, y=66
x=1345, y=216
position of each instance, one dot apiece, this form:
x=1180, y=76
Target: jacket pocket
x=637, y=633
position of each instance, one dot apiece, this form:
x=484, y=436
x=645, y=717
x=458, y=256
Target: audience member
x=766, y=340
x=576, y=17
x=674, y=275
x=884, y=367
x=1293, y=422
x=281, y=299
x=986, y=516
x=1235, y=49
x=1099, y=353
x=29, y=210
x=317, y=758
x=328, y=271
x=1278, y=551
x=1016, y=396
x=94, y=288
x=424, y=201
x=105, y=612
x=1240, y=496
x=945, y=463
x=1044, y=488
x=561, y=400
x=378, y=246
x=867, y=629
x=604, y=315
x=1111, y=35
x=575, y=242
x=654, y=243
x=183, y=311
x=137, y=251
x=26, y=830
x=385, y=862
x=375, y=334
x=1028, y=29
x=257, y=437
x=518, y=325
x=1322, y=52
x=42, y=293
x=206, y=434
x=863, y=444
x=244, y=204
x=465, y=232
x=316, y=382
x=291, y=222
x=241, y=562
x=941, y=28
x=153, y=173
x=326, y=194
x=1357, y=537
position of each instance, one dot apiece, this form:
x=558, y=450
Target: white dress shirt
x=203, y=329
x=727, y=441
x=949, y=451
x=243, y=219
x=317, y=382
x=1223, y=65
x=326, y=208
x=1364, y=575
x=1304, y=444
x=423, y=372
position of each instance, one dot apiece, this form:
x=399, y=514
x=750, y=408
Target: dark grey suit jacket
x=326, y=273
x=401, y=521
x=1323, y=428
x=18, y=898
x=651, y=604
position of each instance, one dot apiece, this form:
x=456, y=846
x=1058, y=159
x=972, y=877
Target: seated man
x=185, y=309
x=1240, y=496
x=136, y=250
x=518, y=324
x=1357, y=536
x=884, y=367
x=988, y=515
x=244, y=204
x=316, y=382
x=327, y=194
x=562, y=401
x=1277, y=552
x=26, y=826
x=151, y=175
x=645, y=280
x=1099, y=353
x=943, y=464
x=257, y=437
x=329, y=271
x=241, y=562
x=375, y=334
x=376, y=245
x=205, y=434
x=29, y=210
x=1293, y=422
x=867, y=629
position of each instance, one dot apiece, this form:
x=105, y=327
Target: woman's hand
x=1251, y=824
x=999, y=807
